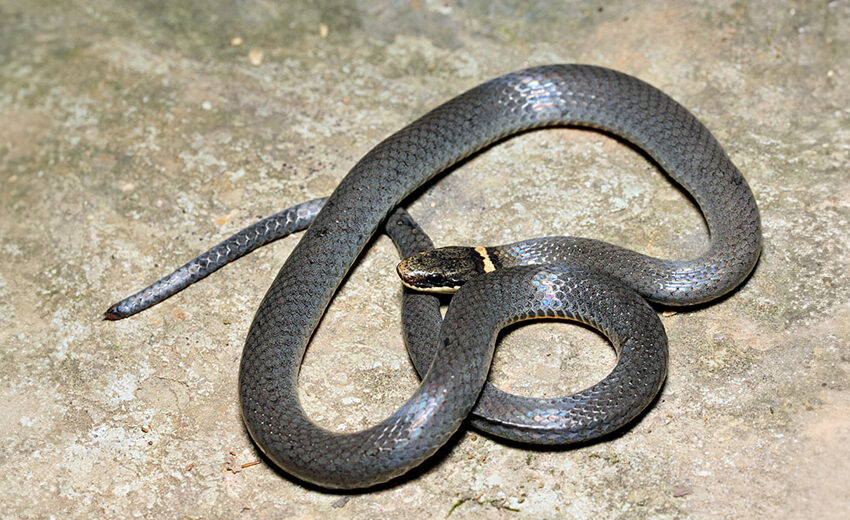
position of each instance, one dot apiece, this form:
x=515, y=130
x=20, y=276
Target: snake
x=585, y=280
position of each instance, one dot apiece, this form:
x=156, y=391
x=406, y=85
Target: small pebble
x=681, y=491
x=341, y=502
x=255, y=56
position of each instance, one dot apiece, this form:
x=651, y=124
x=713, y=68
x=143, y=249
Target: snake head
x=445, y=269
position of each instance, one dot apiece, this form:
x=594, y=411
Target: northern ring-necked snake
x=572, y=278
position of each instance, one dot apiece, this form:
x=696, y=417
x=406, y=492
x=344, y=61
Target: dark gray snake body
x=459, y=354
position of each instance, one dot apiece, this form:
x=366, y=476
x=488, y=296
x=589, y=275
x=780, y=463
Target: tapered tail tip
x=113, y=314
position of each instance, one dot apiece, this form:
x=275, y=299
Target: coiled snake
x=579, y=279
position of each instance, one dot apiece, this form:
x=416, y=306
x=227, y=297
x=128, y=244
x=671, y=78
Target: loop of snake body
x=572, y=278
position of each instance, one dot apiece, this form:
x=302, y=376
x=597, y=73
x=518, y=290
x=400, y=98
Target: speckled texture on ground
x=133, y=136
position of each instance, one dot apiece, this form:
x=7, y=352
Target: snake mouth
x=436, y=289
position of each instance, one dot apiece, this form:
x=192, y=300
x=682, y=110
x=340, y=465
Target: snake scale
x=563, y=277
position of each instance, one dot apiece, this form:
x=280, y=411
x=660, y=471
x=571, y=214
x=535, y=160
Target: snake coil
x=574, y=278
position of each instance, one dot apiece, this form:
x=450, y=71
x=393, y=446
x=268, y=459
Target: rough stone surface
x=133, y=135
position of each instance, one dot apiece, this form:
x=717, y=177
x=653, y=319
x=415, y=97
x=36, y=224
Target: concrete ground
x=134, y=134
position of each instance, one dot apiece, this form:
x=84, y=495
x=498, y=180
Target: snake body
x=459, y=354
